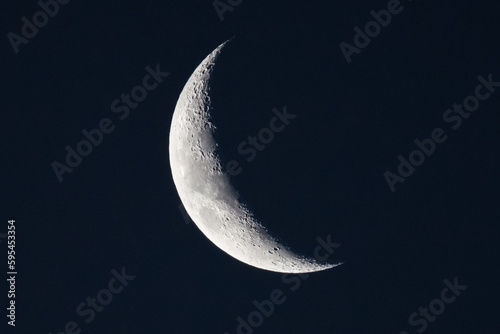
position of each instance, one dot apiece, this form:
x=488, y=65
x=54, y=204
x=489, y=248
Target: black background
x=323, y=175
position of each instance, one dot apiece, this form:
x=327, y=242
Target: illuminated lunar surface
x=205, y=189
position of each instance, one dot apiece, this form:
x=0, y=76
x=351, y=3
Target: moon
x=205, y=189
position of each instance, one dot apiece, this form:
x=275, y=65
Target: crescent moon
x=205, y=188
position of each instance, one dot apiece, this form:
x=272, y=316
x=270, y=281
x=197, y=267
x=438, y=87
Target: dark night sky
x=323, y=175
